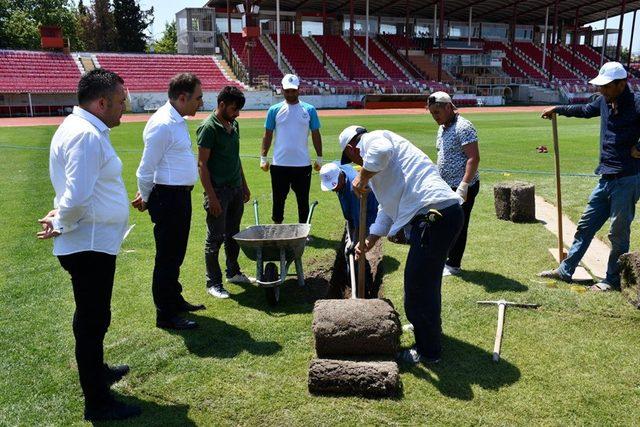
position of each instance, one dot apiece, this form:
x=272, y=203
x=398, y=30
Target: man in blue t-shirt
x=292, y=120
x=338, y=178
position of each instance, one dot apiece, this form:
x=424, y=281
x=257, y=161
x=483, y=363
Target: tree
x=131, y=23
x=21, y=31
x=169, y=41
x=86, y=27
x=105, y=31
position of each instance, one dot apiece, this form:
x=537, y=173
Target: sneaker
x=218, y=291
x=241, y=279
x=600, y=287
x=451, y=271
x=412, y=357
x=554, y=274
x=113, y=374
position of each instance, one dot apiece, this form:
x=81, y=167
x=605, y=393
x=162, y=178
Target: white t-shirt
x=406, y=180
x=292, y=123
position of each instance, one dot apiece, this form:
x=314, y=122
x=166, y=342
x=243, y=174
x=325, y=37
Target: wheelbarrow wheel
x=270, y=275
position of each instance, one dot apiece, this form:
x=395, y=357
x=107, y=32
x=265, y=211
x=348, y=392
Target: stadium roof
x=528, y=11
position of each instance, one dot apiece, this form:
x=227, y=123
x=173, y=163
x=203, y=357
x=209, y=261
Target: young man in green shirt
x=226, y=190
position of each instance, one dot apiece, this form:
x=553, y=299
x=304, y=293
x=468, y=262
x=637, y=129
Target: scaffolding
x=196, y=31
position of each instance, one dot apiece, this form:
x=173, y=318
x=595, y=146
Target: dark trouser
x=423, y=277
x=92, y=279
x=221, y=229
x=170, y=211
x=296, y=178
x=457, y=251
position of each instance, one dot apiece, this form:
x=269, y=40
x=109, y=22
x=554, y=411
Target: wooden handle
x=362, y=235
x=556, y=152
x=498, y=342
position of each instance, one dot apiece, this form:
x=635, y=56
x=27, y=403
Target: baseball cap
x=329, y=175
x=290, y=81
x=346, y=136
x=609, y=72
x=440, y=98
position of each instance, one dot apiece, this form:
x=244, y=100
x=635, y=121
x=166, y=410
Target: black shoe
x=111, y=410
x=185, y=306
x=176, y=322
x=113, y=374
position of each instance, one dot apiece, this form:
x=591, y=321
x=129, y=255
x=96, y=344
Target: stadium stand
x=381, y=58
x=303, y=61
x=37, y=72
x=338, y=50
x=152, y=72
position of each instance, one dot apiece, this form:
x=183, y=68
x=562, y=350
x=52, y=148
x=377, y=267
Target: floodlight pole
x=440, y=40
x=604, y=38
x=469, y=31
x=623, y=9
x=633, y=28
x=575, y=38
x=278, y=29
x=229, y=33
x=555, y=39
x=435, y=21
x=406, y=30
x=351, y=39
x=324, y=30
x=366, y=39
x=546, y=37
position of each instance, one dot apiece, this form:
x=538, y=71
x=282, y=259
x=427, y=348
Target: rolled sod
x=368, y=379
x=515, y=201
x=354, y=327
x=629, y=264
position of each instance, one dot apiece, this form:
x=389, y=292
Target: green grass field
x=574, y=361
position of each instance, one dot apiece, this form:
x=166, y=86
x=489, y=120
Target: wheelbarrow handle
x=312, y=208
x=255, y=211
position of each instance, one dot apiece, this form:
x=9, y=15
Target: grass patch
x=570, y=362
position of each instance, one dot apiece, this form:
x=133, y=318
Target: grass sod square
x=573, y=361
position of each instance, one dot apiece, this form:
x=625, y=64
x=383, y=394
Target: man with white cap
x=618, y=189
x=292, y=120
x=458, y=160
x=413, y=198
x=338, y=178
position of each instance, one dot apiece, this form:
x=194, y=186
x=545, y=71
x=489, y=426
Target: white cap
x=609, y=72
x=440, y=98
x=290, y=81
x=329, y=175
x=347, y=135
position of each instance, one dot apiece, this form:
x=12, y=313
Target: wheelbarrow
x=272, y=243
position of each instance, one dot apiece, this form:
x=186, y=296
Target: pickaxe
x=502, y=306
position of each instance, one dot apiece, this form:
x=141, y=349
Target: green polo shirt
x=224, y=161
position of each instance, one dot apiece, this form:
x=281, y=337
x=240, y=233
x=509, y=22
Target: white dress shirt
x=406, y=180
x=168, y=157
x=86, y=173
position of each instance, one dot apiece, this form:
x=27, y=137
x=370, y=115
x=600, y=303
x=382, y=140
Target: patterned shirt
x=452, y=161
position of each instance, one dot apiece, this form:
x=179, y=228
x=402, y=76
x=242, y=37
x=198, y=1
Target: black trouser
x=92, y=279
x=221, y=229
x=297, y=178
x=423, y=276
x=457, y=251
x=170, y=211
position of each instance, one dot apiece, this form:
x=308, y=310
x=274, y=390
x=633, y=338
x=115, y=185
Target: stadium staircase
x=330, y=66
x=361, y=53
x=338, y=50
x=391, y=68
x=272, y=49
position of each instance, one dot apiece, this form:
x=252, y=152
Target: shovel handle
x=498, y=342
x=362, y=235
x=255, y=211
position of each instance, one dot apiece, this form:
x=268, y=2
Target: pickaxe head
x=509, y=303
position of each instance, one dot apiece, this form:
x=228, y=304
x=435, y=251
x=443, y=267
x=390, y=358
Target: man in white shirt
x=291, y=120
x=88, y=223
x=166, y=176
x=412, y=198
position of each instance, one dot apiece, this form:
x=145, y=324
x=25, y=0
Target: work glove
x=317, y=164
x=462, y=190
x=264, y=163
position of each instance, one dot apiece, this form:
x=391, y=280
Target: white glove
x=318, y=163
x=264, y=163
x=462, y=190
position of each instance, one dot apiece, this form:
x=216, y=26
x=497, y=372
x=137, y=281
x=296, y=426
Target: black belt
x=612, y=176
x=174, y=187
